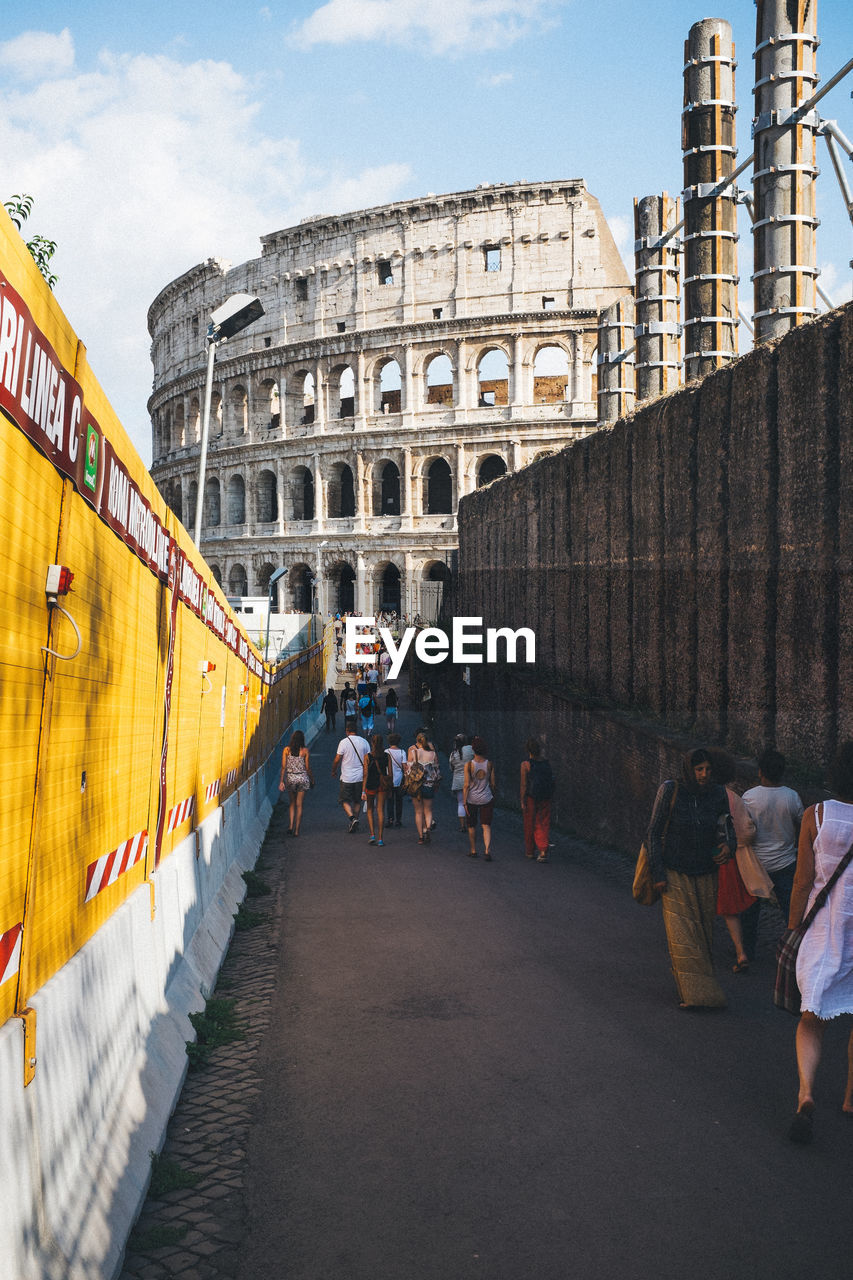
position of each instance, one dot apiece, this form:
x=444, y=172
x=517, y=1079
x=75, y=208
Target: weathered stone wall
x=687, y=575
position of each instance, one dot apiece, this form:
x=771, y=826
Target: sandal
x=740, y=966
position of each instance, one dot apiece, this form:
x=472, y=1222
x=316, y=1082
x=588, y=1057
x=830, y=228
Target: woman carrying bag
x=825, y=956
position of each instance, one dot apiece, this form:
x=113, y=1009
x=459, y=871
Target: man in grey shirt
x=777, y=812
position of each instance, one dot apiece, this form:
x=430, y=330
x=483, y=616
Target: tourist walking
x=376, y=785
x=733, y=897
x=350, y=756
x=777, y=812
x=330, y=709
x=397, y=760
x=367, y=711
x=423, y=753
x=825, y=957
x=478, y=796
x=349, y=702
x=460, y=755
x=685, y=851
x=296, y=777
x=536, y=788
x=391, y=708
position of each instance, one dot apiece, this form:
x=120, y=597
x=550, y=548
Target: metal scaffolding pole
x=615, y=361
x=710, y=215
x=783, y=180
x=656, y=298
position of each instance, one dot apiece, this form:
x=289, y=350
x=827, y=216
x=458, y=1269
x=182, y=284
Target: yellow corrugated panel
x=30, y=500
x=97, y=757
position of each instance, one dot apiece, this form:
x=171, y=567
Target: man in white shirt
x=777, y=812
x=351, y=754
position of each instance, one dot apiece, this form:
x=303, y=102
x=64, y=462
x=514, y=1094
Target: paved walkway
x=457, y=1069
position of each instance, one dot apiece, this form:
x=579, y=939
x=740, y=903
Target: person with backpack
x=329, y=707
x=536, y=791
x=422, y=776
x=367, y=710
x=375, y=787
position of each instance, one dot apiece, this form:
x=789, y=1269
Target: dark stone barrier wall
x=687, y=575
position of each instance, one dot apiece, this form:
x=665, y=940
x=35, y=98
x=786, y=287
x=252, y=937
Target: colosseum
x=407, y=354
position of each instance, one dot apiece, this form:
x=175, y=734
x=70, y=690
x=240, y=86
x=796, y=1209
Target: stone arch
x=180, y=426
x=194, y=423
x=388, y=587
x=341, y=385
x=176, y=499
x=492, y=377
x=437, y=487
x=236, y=500
x=435, y=577
x=387, y=386
x=550, y=374
x=301, y=493
x=168, y=436
x=217, y=573
x=438, y=377
x=266, y=497
x=267, y=411
x=309, y=406
x=341, y=491
x=212, y=514
x=215, y=414
x=238, y=407
x=238, y=581
x=341, y=579
x=489, y=468
x=300, y=585
x=387, y=489
x=192, y=498
x=265, y=572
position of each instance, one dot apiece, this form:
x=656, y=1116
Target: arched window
x=493, y=379
x=268, y=411
x=180, y=437
x=195, y=421
x=267, y=497
x=390, y=594
x=212, y=514
x=236, y=500
x=217, y=573
x=301, y=494
x=389, y=388
x=215, y=414
x=176, y=502
x=386, y=500
x=239, y=410
x=342, y=578
x=238, y=582
x=341, y=492
x=439, y=489
x=439, y=381
x=301, y=584
x=345, y=387
x=550, y=375
x=192, y=498
x=308, y=399
x=489, y=469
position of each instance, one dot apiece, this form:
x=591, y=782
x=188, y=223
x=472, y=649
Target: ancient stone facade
x=407, y=355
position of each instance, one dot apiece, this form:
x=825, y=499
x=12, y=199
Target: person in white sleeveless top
x=825, y=958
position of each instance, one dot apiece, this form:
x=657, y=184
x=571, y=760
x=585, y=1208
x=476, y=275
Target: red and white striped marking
x=232, y=777
x=10, y=952
x=211, y=792
x=104, y=872
x=180, y=813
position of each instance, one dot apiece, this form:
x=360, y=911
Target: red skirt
x=733, y=897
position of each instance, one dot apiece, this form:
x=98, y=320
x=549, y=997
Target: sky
x=155, y=136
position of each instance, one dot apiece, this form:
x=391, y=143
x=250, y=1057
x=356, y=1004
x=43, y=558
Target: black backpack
x=540, y=780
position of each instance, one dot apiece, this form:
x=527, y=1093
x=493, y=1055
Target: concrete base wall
x=112, y=1027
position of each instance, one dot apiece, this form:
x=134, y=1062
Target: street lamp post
x=232, y=317
x=279, y=573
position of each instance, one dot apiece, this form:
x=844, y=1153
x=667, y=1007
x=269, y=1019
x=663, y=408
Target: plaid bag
x=786, y=993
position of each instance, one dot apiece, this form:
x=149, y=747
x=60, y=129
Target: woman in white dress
x=825, y=958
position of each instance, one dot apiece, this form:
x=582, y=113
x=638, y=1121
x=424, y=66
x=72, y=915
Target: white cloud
x=141, y=169
x=442, y=26
x=34, y=55
x=495, y=81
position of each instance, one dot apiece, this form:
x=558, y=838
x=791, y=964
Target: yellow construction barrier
x=131, y=705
